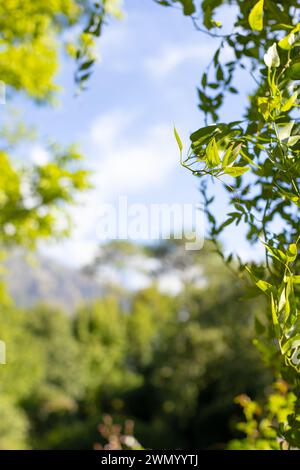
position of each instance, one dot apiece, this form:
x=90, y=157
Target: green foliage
x=29, y=48
x=260, y=155
x=256, y=16
x=64, y=372
x=266, y=427
x=188, y=6
x=192, y=360
x=14, y=380
x=13, y=426
x=30, y=36
x=33, y=197
x=170, y=362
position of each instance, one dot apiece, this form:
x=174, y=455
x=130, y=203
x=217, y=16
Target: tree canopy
x=257, y=161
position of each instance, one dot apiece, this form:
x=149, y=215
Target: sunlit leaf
x=292, y=252
x=203, y=132
x=288, y=41
x=276, y=325
x=271, y=57
x=290, y=102
x=178, y=140
x=236, y=171
x=256, y=16
x=284, y=132
x=212, y=154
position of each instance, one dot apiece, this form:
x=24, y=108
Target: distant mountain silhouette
x=34, y=278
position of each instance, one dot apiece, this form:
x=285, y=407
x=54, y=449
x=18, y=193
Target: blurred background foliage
x=172, y=361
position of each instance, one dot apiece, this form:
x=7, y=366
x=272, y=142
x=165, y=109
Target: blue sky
x=150, y=64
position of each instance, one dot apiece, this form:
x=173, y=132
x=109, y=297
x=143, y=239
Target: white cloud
x=39, y=155
x=126, y=160
x=173, y=56
x=114, y=46
x=107, y=130
x=72, y=252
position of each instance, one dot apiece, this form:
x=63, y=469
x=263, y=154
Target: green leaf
x=263, y=285
x=288, y=41
x=231, y=155
x=164, y=3
x=285, y=130
x=275, y=252
x=219, y=74
x=256, y=16
x=178, y=140
x=271, y=58
x=203, y=132
x=293, y=140
x=86, y=65
x=236, y=171
x=248, y=159
x=225, y=161
x=290, y=102
x=294, y=71
x=276, y=324
x=84, y=77
x=291, y=253
x=188, y=7
x=212, y=154
x=289, y=344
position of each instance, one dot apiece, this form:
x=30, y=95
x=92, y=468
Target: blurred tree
x=55, y=399
x=192, y=347
x=101, y=332
x=263, y=420
x=171, y=361
x=18, y=381
x=33, y=198
x=14, y=426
